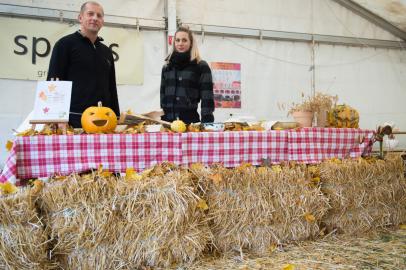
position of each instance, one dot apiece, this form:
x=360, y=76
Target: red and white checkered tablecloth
x=43, y=156
x=313, y=145
x=233, y=148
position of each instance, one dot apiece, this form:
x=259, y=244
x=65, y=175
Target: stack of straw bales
x=23, y=241
x=364, y=194
x=256, y=209
x=100, y=222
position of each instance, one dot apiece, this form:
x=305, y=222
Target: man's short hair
x=83, y=6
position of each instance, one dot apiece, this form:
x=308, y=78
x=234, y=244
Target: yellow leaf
x=289, y=267
x=216, y=178
x=309, y=218
x=316, y=180
x=276, y=168
x=38, y=185
x=402, y=226
x=100, y=169
x=9, y=145
x=262, y=170
x=202, y=205
x=8, y=188
x=243, y=166
x=272, y=248
x=196, y=166
x=146, y=173
x=106, y=174
x=131, y=174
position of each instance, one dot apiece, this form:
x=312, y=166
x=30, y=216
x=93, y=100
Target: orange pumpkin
x=99, y=119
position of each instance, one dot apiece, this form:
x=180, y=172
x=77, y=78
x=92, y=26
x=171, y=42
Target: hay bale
x=23, y=241
x=161, y=214
x=154, y=222
x=18, y=208
x=256, y=208
x=364, y=194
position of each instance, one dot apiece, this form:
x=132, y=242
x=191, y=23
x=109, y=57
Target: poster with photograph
x=52, y=101
x=226, y=84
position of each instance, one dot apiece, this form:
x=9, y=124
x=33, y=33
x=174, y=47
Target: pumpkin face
x=343, y=116
x=99, y=119
x=178, y=126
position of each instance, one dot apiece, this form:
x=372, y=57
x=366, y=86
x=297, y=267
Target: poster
x=226, y=84
x=52, y=101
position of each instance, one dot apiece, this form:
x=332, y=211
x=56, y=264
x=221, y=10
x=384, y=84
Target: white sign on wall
x=26, y=47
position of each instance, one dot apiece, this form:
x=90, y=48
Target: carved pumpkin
x=98, y=119
x=343, y=116
x=178, y=126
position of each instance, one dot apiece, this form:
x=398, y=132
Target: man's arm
x=113, y=89
x=58, y=65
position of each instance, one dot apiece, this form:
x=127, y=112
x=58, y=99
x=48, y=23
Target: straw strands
x=154, y=222
x=23, y=241
x=170, y=215
x=256, y=209
x=364, y=194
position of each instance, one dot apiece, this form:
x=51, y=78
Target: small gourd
x=343, y=116
x=98, y=119
x=178, y=126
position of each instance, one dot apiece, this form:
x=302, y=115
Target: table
x=45, y=156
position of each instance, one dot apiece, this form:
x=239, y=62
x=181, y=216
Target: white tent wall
x=324, y=17
x=371, y=80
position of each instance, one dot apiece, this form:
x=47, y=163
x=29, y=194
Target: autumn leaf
x=243, y=166
x=276, y=168
x=106, y=174
x=201, y=204
x=196, y=166
x=131, y=174
x=289, y=267
x=272, y=248
x=309, y=218
x=8, y=188
x=216, y=178
x=9, y=145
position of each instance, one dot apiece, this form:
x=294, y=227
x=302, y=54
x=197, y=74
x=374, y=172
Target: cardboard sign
x=52, y=102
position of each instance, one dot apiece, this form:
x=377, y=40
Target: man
x=82, y=58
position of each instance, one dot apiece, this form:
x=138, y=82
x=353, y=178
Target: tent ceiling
x=393, y=11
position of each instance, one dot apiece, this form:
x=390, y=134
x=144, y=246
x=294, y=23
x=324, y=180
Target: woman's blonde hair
x=194, y=51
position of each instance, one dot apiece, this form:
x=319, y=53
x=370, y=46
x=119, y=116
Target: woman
x=185, y=81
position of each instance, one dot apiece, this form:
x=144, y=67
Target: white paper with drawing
x=52, y=101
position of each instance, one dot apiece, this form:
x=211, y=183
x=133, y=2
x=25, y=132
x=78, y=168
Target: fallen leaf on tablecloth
x=202, y=205
x=27, y=132
x=8, y=188
x=216, y=178
x=9, y=145
x=131, y=174
x=309, y=217
x=288, y=267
